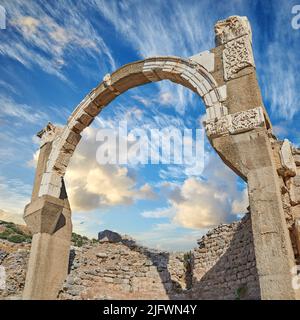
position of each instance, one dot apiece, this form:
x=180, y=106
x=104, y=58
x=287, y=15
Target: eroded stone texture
x=224, y=265
x=287, y=159
x=231, y=28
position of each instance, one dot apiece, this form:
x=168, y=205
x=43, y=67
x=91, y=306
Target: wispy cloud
x=277, y=60
x=19, y=111
x=52, y=36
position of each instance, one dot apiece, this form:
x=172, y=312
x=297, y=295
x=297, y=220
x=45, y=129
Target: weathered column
x=250, y=154
x=241, y=138
x=49, y=220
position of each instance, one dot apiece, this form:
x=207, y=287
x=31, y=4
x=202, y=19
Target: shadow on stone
x=228, y=275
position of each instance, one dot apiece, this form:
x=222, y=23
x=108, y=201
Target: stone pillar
x=241, y=138
x=251, y=155
x=49, y=220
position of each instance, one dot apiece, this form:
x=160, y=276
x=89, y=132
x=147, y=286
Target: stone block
x=205, y=59
x=287, y=160
x=73, y=138
x=294, y=189
x=92, y=108
x=77, y=127
x=296, y=211
x=85, y=119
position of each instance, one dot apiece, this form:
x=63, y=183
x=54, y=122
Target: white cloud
x=240, y=205
x=201, y=203
x=33, y=162
x=158, y=213
x=90, y=185
x=146, y=192
x=203, y=206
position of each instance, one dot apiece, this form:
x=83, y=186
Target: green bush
x=16, y=238
x=3, y=236
x=13, y=233
x=79, y=240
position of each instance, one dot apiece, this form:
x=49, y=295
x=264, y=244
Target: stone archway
x=237, y=126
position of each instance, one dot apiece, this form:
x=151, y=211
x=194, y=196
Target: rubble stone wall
x=222, y=267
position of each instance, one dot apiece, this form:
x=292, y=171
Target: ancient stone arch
x=237, y=126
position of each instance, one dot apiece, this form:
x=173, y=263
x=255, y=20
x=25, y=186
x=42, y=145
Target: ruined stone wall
x=222, y=267
x=123, y=270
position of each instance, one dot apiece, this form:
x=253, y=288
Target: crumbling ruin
x=239, y=129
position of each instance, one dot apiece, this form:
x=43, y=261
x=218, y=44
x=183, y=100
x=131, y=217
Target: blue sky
x=52, y=53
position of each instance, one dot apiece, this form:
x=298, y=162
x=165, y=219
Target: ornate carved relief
x=235, y=123
x=237, y=55
x=246, y=120
x=232, y=28
x=215, y=128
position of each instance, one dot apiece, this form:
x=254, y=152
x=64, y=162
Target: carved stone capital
x=49, y=133
x=235, y=123
x=42, y=215
x=232, y=28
